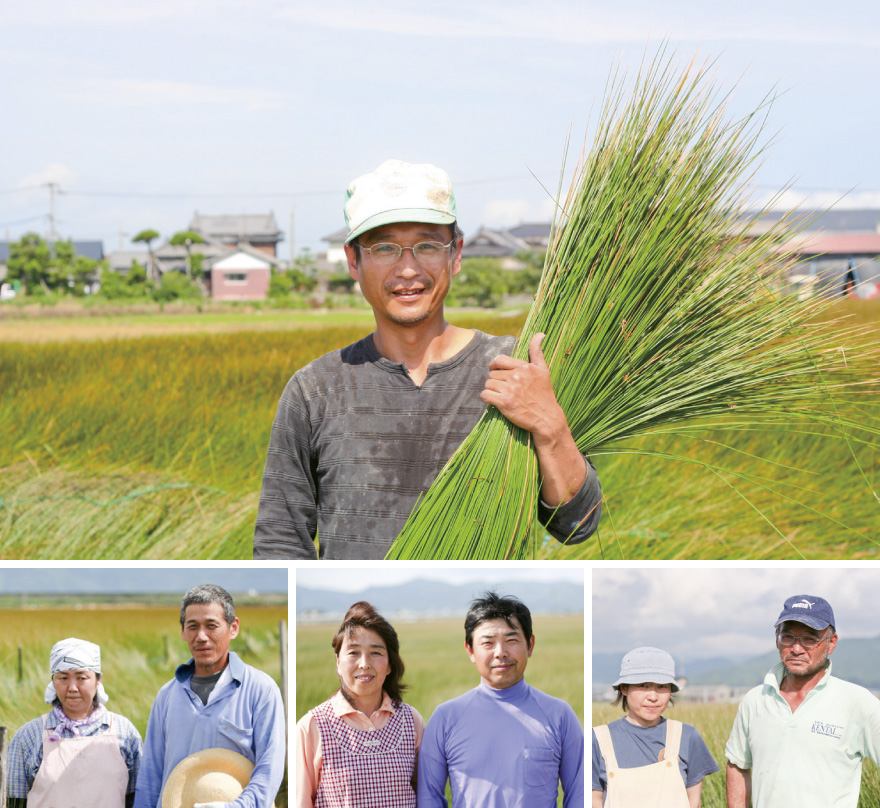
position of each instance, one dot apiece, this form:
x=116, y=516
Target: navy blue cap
x=810, y=610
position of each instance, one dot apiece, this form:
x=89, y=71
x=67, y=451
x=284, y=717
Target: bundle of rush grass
x=660, y=309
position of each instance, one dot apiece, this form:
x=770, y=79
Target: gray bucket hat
x=647, y=664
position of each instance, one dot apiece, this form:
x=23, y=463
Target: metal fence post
x=282, y=643
x=2, y=766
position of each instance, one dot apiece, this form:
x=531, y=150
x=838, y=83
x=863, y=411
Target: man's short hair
x=206, y=594
x=496, y=607
x=457, y=235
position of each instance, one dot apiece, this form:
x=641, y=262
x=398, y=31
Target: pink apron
x=81, y=772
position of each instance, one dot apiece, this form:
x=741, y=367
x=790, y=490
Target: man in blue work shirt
x=215, y=700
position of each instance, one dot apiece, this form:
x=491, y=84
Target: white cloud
x=819, y=200
x=570, y=21
x=54, y=172
x=633, y=21
x=511, y=212
x=135, y=93
x=107, y=12
x=721, y=611
x=32, y=189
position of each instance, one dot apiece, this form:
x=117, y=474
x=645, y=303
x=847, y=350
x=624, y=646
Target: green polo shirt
x=809, y=758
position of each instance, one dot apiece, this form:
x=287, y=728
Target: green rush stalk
x=660, y=308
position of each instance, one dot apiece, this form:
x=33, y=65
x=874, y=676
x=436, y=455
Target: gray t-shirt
x=355, y=442
x=641, y=746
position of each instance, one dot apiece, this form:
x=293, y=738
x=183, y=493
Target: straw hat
x=210, y=775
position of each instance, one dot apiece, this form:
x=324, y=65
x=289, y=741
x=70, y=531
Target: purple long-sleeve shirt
x=502, y=749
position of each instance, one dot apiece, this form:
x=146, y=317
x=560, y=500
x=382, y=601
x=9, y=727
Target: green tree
x=175, y=286
x=135, y=284
x=186, y=238
x=29, y=260
x=44, y=267
x=480, y=283
x=525, y=281
x=148, y=237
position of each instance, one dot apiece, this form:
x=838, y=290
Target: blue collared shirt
x=244, y=713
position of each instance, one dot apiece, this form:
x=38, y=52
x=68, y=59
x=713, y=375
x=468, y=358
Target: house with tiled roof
x=260, y=230
x=837, y=251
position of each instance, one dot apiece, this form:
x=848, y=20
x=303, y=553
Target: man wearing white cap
x=215, y=702
x=361, y=432
x=80, y=753
x=799, y=739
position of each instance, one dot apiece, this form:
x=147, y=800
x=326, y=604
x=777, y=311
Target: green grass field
x=438, y=668
x=133, y=658
x=153, y=447
x=713, y=722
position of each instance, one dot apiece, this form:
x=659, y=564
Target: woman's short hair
x=363, y=615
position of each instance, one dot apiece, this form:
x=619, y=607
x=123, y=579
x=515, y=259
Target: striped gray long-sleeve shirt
x=355, y=442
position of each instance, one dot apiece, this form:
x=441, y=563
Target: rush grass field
x=133, y=660
x=713, y=722
x=153, y=447
x=437, y=667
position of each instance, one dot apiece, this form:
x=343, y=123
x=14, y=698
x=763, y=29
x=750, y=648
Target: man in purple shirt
x=503, y=744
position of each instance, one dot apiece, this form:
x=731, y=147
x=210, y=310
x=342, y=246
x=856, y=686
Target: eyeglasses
x=430, y=254
x=808, y=641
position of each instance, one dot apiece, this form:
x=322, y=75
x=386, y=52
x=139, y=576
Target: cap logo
x=393, y=184
x=804, y=604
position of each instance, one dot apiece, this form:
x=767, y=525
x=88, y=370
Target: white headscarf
x=74, y=655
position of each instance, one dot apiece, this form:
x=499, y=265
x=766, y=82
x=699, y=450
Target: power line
x=224, y=194
x=24, y=221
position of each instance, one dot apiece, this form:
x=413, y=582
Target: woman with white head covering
x=79, y=753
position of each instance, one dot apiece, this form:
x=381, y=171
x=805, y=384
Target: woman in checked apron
x=644, y=760
x=79, y=755
x=358, y=749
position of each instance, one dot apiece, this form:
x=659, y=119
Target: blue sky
x=80, y=578
x=145, y=112
x=726, y=610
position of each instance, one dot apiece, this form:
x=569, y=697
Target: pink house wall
x=254, y=287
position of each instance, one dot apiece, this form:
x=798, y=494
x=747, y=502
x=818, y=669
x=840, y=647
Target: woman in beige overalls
x=644, y=760
x=78, y=755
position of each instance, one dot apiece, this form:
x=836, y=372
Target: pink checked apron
x=657, y=785
x=81, y=772
x=366, y=769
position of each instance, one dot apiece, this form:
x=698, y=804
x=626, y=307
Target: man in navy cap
x=799, y=739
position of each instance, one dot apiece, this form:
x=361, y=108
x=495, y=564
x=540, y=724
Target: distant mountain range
x=138, y=581
x=426, y=597
x=855, y=660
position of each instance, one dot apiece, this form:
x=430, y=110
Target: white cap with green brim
x=399, y=192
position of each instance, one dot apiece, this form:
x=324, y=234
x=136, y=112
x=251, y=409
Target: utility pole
x=292, y=255
x=53, y=186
